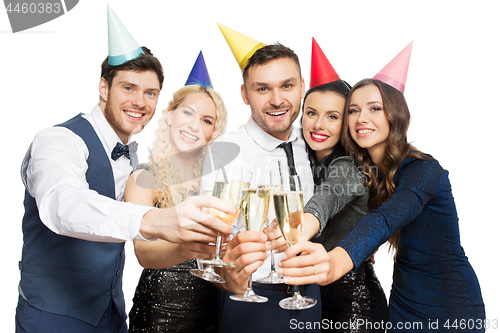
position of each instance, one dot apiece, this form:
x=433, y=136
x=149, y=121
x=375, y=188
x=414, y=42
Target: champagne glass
x=254, y=210
x=274, y=178
x=228, y=186
x=289, y=208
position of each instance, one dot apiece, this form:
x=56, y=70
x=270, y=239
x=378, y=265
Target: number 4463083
x=25, y=8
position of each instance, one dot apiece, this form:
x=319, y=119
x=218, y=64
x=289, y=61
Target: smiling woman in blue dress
x=434, y=285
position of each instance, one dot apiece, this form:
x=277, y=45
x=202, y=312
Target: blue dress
x=434, y=285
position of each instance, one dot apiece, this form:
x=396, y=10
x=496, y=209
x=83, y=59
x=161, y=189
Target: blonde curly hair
x=169, y=190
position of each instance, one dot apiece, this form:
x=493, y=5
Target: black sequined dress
x=173, y=300
x=339, y=202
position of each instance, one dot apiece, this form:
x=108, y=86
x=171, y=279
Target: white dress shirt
x=256, y=144
x=55, y=177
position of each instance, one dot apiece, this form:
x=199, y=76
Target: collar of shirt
x=108, y=136
x=265, y=140
x=122, y=166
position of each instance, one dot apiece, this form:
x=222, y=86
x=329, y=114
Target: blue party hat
x=199, y=73
x=122, y=47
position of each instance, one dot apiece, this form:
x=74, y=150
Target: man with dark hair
x=143, y=63
x=268, y=53
x=75, y=224
x=273, y=88
x=274, y=109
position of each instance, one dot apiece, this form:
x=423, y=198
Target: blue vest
x=70, y=276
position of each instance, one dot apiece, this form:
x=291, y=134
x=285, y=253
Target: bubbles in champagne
x=289, y=214
x=254, y=208
x=233, y=197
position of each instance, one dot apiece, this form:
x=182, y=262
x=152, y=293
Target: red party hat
x=321, y=70
x=394, y=73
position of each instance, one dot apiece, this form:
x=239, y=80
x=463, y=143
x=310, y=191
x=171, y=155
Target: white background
x=51, y=72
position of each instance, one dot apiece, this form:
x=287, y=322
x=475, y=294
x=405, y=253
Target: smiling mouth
x=278, y=113
x=365, y=131
x=134, y=114
x=189, y=136
x=319, y=136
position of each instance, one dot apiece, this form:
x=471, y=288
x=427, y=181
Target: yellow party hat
x=243, y=47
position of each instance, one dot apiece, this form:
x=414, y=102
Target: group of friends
x=363, y=185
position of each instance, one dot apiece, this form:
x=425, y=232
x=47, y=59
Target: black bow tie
x=121, y=149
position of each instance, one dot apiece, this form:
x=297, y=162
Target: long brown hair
x=396, y=110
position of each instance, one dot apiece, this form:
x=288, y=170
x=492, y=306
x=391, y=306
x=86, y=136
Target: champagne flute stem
x=273, y=269
x=249, y=285
x=296, y=294
x=218, y=246
x=295, y=291
x=210, y=269
x=249, y=291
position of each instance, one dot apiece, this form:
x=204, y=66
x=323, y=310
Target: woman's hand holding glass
x=289, y=208
x=228, y=186
x=310, y=227
x=314, y=264
x=311, y=266
x=275, y=238
x=186, y=222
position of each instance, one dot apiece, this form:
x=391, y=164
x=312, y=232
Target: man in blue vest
x=75, y=222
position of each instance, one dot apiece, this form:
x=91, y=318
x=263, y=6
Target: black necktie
x=287, y=146
x=119, y=150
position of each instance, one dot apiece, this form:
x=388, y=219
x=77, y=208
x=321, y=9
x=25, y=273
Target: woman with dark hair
x=434, y=286
x=339, y=202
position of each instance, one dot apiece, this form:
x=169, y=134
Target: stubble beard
x=113, y=113
x=275, y=126
x=114, y=119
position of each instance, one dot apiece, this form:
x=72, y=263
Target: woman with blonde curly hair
x=172, y=154
x=168, y=297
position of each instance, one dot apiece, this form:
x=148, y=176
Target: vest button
x=117, y=273
x=121, y=253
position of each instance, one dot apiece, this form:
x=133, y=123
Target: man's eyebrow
x=265, y=84
x=290, y=80
x=128, y=83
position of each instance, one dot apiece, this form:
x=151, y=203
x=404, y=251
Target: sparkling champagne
x=255, y=207
x=274, y=189
x=220, y=191
x=289, y=214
